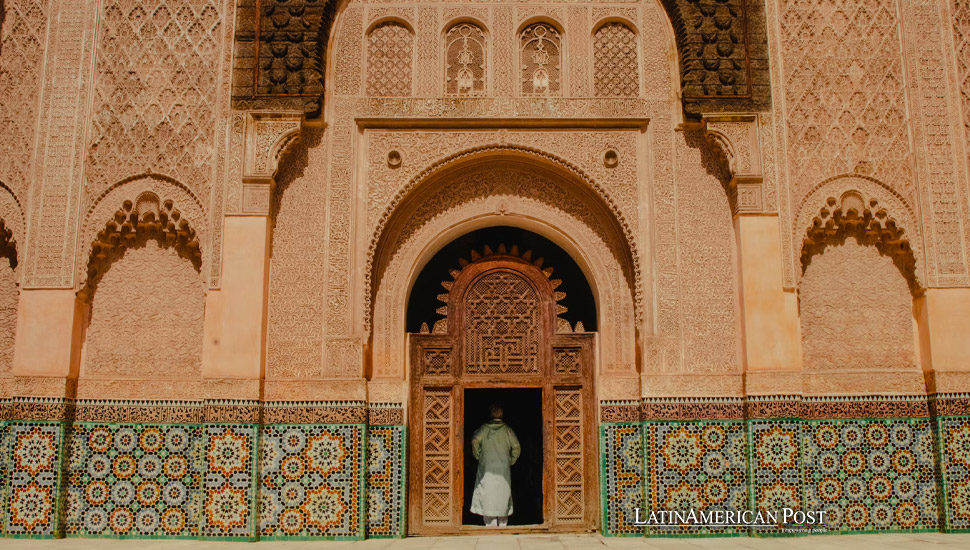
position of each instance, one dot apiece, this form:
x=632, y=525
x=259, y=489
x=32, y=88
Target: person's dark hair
x=495, y=410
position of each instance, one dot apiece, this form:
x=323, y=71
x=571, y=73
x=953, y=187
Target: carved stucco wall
x=961, y=44
x=707, y=259
x=870, y=88
x=146, y=317
x=8, y=314
x=844, y=93
x=23, y=37
x=856, y=311
x=298, y=263
x=155, y=91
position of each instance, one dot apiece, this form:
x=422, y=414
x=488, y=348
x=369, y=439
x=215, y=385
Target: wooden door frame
x=548, y=379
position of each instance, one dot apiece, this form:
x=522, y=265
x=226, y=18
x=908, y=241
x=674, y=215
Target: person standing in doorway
x=496, y=448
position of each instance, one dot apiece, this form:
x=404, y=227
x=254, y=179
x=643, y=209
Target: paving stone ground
x=525, y=542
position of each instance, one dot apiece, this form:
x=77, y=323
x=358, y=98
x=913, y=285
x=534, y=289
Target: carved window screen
x=465, y=60
x=540, y=55
x=389, y=53
x=502, y=325
x=616, y=71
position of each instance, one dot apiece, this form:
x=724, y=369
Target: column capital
x=268, y=134
x=738, y=138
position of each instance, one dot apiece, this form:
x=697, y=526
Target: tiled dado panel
x=774, y=467
x=311, y=481
x=229, y=484
x=622, y=473
x=954, y=456
x=4, y=471
x=697, y=466
x=35, y=451
x=871, y=475
x=386, y=478
x=139, y=480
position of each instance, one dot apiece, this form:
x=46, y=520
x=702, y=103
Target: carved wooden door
x=502, y=330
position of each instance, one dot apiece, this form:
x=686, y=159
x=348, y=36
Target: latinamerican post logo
x=786, y=519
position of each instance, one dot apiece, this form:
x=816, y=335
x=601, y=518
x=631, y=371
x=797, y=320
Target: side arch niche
x=859, y=275
x=144, y=297
x=502, y=190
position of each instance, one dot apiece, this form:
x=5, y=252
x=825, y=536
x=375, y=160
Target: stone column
x=943, y=320
x=235, y=340
x=48, y=342
x=47, y=345
x=771, y=335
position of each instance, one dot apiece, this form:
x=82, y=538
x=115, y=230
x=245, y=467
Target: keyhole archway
x=498, y=329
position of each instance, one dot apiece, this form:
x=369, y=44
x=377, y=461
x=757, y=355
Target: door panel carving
x=501, y=332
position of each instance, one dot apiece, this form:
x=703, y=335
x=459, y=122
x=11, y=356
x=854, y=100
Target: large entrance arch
x=515, y=191
x=502, y=331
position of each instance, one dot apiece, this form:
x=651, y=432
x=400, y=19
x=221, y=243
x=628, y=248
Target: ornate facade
x=216, y=217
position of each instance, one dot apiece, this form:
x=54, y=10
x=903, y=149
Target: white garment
x=496, y=521
x=496, y=448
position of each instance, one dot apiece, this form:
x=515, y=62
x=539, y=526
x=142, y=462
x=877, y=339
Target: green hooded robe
x=496, y=448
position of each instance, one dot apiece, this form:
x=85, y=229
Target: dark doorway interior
x=523, y=413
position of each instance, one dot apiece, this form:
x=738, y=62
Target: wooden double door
x=502, y=330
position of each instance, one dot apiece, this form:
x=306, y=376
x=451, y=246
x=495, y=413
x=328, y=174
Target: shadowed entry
x=523, y=413
x=500, y=332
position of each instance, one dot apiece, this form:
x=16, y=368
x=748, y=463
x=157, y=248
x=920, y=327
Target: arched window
x=615, y=61
x=389, y=54
x=465, y=60
x=540, y=55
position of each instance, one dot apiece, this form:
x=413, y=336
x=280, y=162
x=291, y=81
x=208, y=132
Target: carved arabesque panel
x=501, y=325
x=390, y=48
x=844, y=91
x=961, y=40
x=706, y=258
x=856, y=311
x=22, y=44
x=466, y=58
x=156, y=93
x=540, y=60
x=298, y=263
x=616, y=65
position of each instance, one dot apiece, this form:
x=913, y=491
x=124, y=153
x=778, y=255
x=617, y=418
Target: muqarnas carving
x=281, y=51
x=723, y=50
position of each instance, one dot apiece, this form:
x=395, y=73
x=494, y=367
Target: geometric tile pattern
x=386, y=477
x=870, y=475
x=621, y=448
x=774, y=462
x=229, y=454
x=697, y=466
x=954, y=438
x=35, y=463
x=134, y=479
x=311, y=481
x=4, y=473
